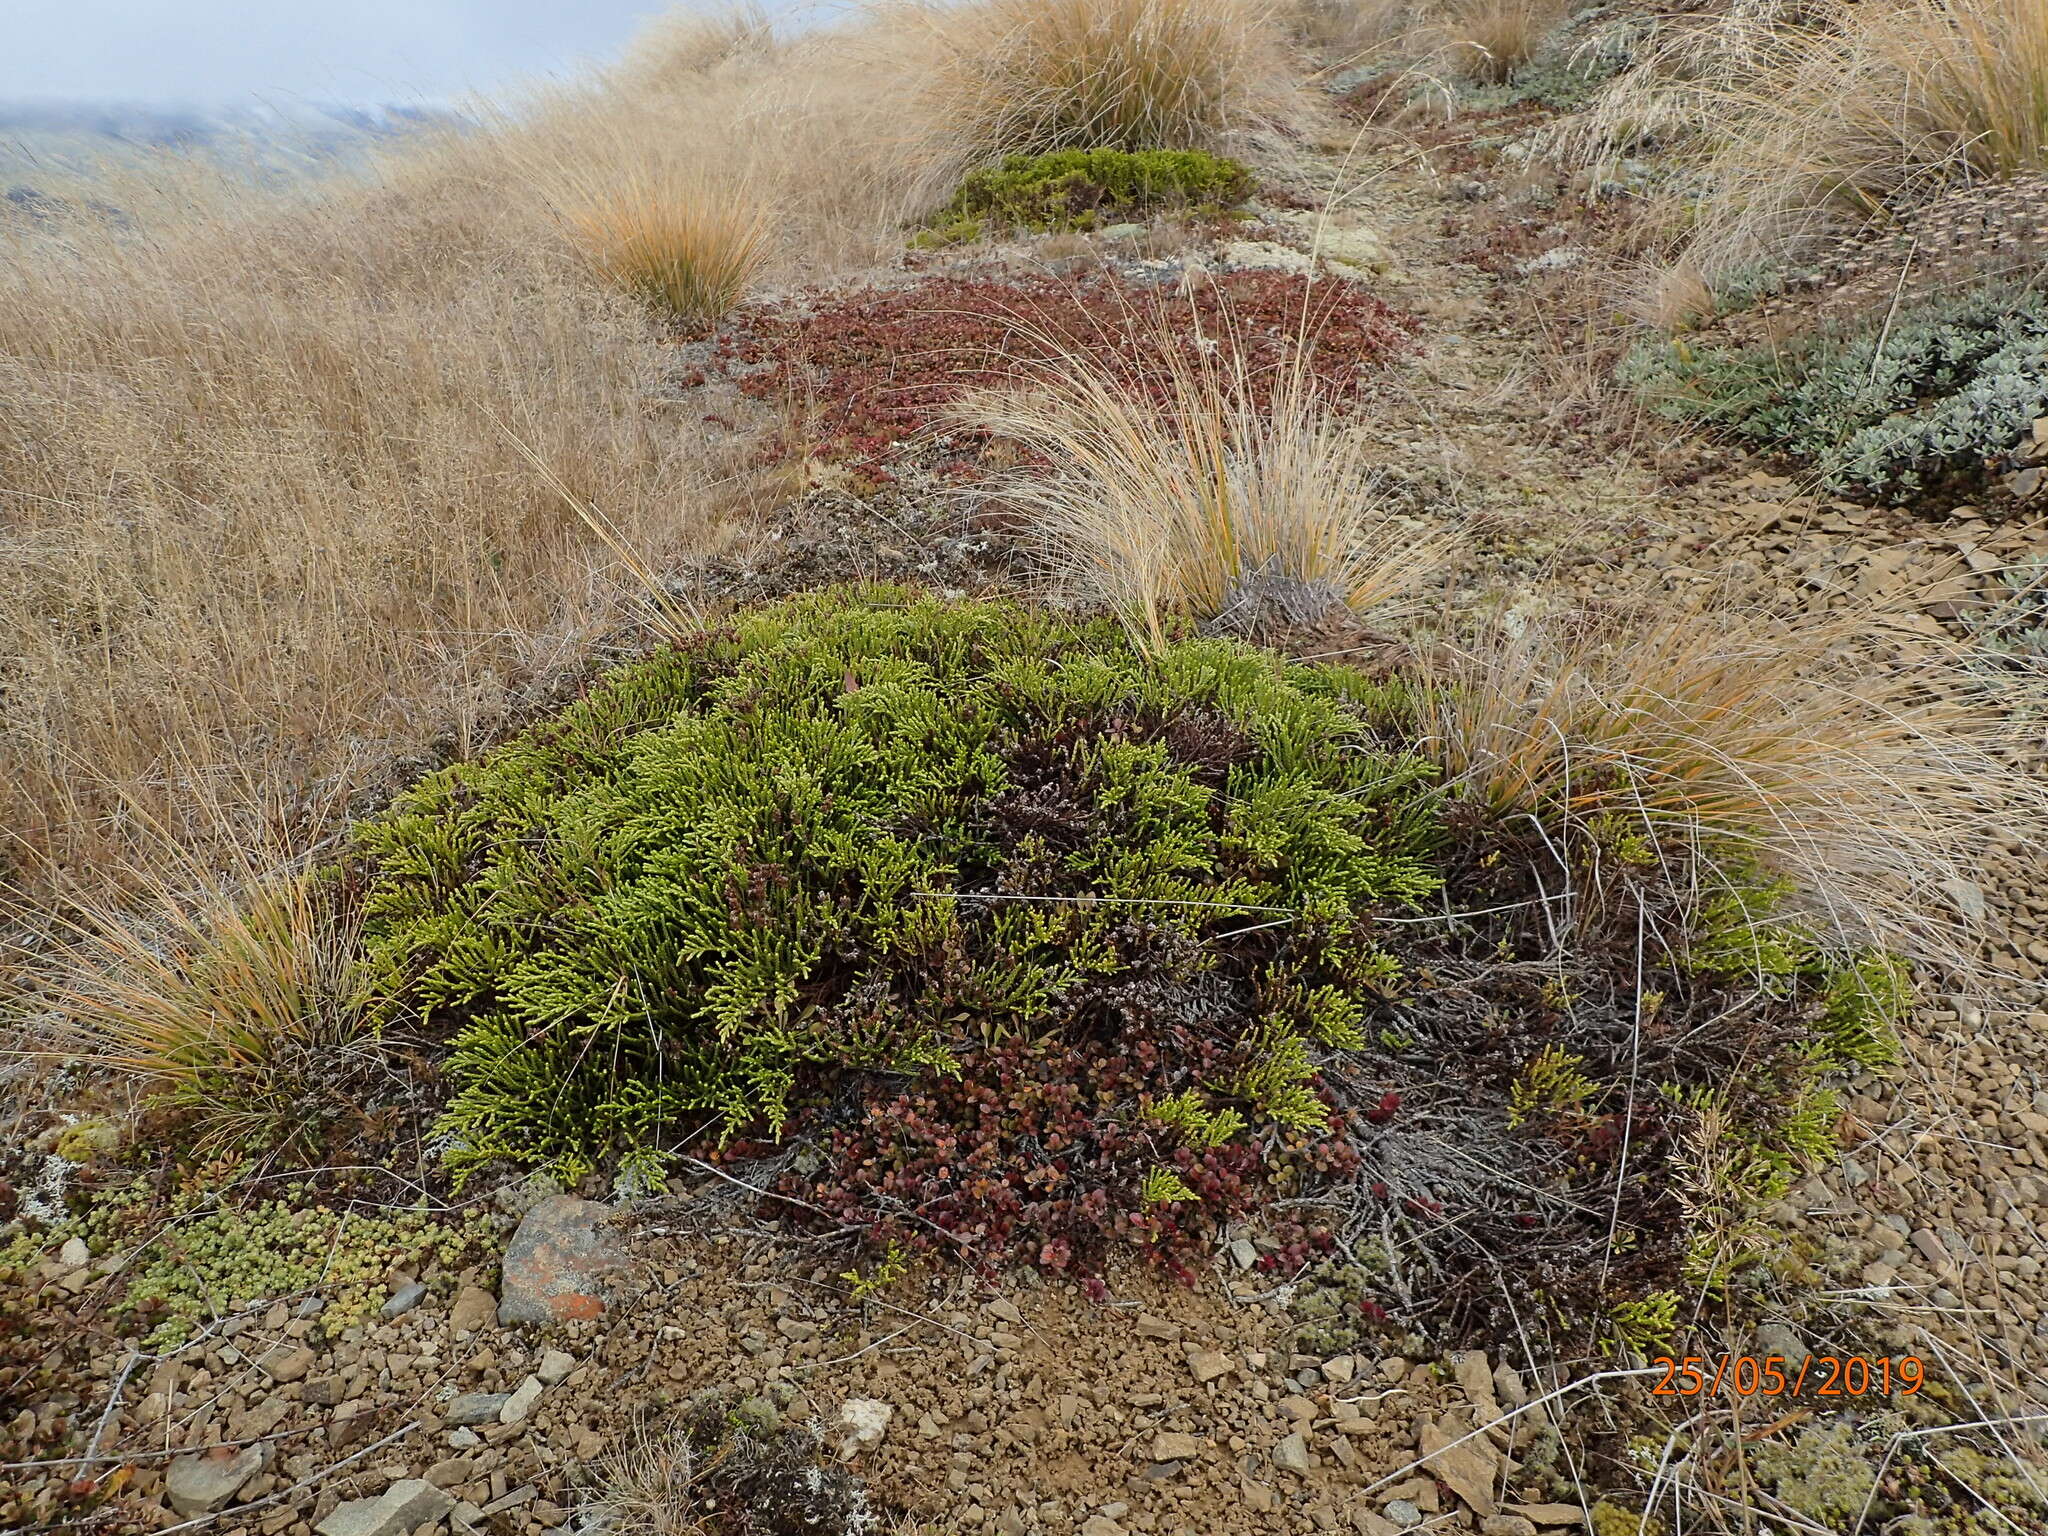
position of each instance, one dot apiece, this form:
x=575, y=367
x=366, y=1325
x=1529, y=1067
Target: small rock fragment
x=1508, y=1387
x=1932, y=1249
x=1547, y=1514
x=863, y=1421
x=1475, y=1376
x=520, y=1403
x=201, y=1482
x=474, y=1308
x=403, y=1300
x=74, y=1253
x=403, y=1507
x=1466, y=1465
x=473, y=1408
x=451, y=1473
x=557, y=1263
x=1170, y=1445
x=1291, y=1454
x=1506, y=1525
x=1207, y=1365
x=554, y=1368
x=287, y=1362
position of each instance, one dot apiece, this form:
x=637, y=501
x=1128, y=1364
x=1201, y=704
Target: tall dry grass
x=1801, y=117
x=266, y=521
x=294, y=487
x=1488, y=40
x=1024, y=76
x=1214, y=495
x=1871, y=788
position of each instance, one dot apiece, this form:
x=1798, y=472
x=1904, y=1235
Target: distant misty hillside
x=48, y=144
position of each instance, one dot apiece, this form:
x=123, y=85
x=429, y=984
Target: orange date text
x=1777, y=1376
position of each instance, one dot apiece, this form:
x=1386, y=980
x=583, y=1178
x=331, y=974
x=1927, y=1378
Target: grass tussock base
x=1770, y=741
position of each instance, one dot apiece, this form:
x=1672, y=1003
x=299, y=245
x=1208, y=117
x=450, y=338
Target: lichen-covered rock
x=558, y=1264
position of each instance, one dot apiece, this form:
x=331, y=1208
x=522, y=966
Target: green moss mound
x=1930, y=399
x=850, y=828
x=1082, y=189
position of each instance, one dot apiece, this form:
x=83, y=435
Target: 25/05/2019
x=1776, y=1376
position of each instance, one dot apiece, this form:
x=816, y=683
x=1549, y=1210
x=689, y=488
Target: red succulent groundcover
x=870, y=369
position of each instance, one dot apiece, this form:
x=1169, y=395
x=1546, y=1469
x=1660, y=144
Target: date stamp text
x=1777, y=1376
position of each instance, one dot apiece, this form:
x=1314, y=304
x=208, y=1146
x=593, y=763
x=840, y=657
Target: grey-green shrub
x=1932, y=399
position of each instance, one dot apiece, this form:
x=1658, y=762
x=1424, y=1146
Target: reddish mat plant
x=876, y=367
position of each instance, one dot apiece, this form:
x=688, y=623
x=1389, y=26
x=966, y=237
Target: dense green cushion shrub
x=848, y=832
x=1929, y=398
x=1080, y=189
x=1024, y=944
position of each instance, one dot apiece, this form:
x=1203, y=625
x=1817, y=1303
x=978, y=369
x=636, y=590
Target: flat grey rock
x=403, y=1507
x=199, y=1483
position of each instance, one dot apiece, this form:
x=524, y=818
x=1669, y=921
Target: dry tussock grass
x=1804, y=115
x=267, y=524
x=1871, y=788
x=292, y=482
x=1423, y=47
x=1221, y=496
x=1489, y=40
x=1022, y=76
x=228, y=1005
x=664, y=228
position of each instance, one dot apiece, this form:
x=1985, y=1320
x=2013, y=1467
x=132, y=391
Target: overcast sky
x=214, y=52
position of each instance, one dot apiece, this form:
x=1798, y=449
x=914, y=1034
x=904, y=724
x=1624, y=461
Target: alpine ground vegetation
x=1022, y=943
x=1924, y=400
x=1078, y=189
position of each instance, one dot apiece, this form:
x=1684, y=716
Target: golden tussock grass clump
x=1873, y=789
x=298, y=484
x=1025, y=76
x=1489, y=40
x=669, y=231
x=1206, y=494
x=231, y=1007
x=1810, y=116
